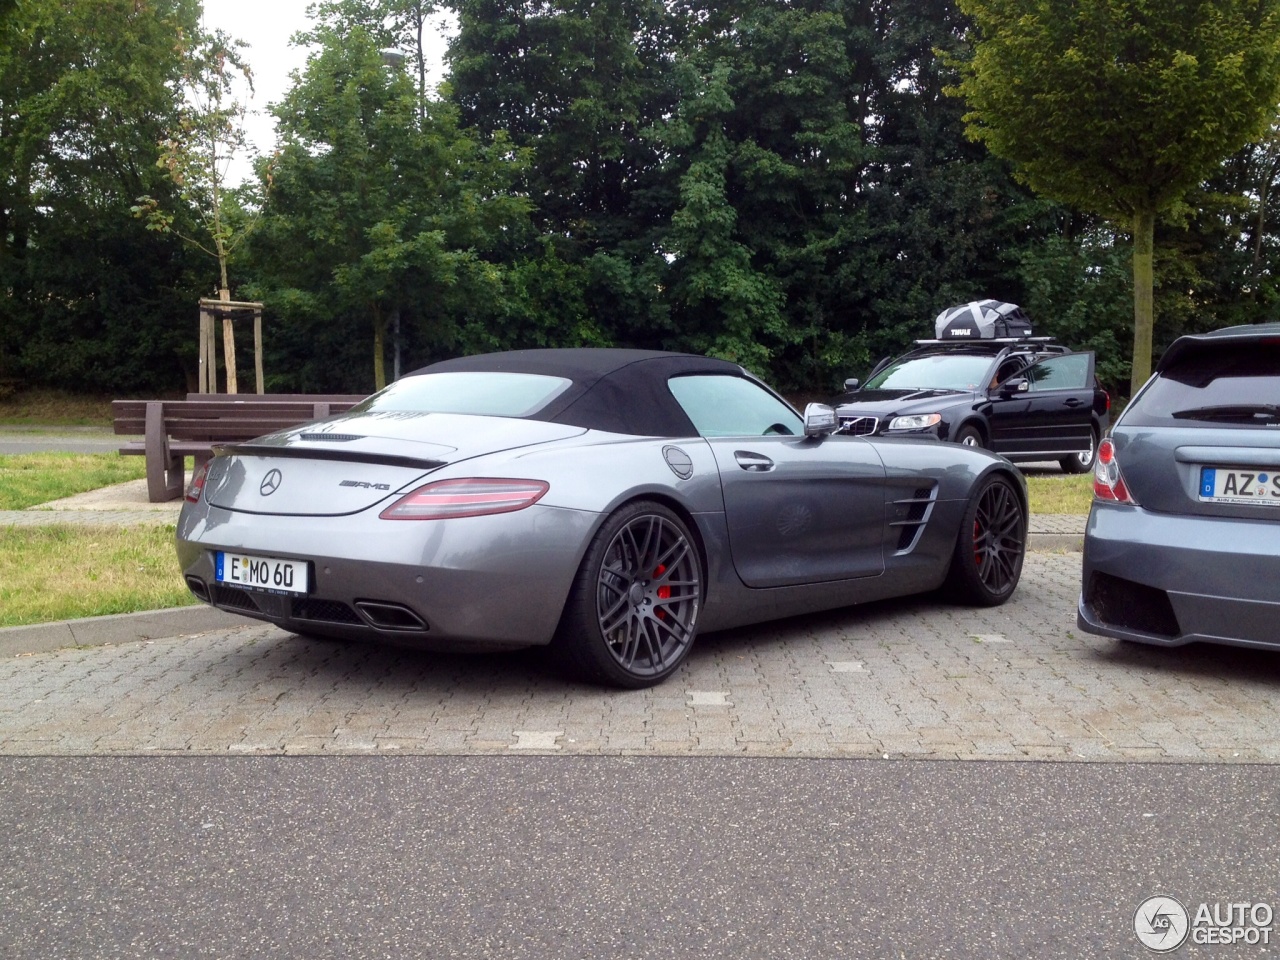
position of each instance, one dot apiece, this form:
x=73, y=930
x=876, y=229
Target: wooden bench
x=172, y=430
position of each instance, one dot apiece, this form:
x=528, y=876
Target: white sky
x=266, y=26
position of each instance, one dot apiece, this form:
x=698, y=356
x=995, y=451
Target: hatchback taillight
x=472, y=497
x=1108, y=484
x=196, y=487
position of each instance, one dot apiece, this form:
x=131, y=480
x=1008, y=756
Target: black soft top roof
x=613, y=389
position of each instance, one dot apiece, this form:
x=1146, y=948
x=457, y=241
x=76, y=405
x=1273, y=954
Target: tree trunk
x=1144, y=224
x=228, y=343
x=379, y=349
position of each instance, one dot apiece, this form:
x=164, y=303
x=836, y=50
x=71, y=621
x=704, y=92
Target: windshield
x=481, y=392
x=938, y=371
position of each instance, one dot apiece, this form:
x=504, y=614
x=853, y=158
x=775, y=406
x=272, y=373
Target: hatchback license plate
x=262, y=573
x=1240, y=486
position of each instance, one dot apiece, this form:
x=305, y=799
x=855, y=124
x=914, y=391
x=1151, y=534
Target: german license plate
x=262, y=573
x=1218, y=485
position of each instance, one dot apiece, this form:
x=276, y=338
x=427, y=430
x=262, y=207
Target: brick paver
x=927, y=680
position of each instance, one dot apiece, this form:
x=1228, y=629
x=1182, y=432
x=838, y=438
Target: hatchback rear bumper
x=1171, y=580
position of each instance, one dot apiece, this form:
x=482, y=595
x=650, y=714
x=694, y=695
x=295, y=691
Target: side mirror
x=1014, y=385
x=851, y=384
x=820, y=420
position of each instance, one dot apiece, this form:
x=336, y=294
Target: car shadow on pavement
x=406, y=670
x=1200, y=660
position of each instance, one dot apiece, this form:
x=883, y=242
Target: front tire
x=1082, y=462
x=632, y=612
x=987, y=561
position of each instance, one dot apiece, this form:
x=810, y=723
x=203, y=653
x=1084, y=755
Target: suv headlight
x=919, y=421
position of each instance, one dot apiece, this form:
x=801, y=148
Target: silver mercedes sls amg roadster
x=610, y=503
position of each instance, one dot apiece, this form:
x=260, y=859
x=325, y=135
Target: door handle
x=1074, y=402
x=755, y=462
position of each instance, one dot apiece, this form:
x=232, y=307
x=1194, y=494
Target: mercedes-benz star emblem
x=270, y=483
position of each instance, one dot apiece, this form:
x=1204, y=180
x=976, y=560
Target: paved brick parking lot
x=911, y=678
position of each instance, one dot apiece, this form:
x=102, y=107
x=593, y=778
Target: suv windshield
x=1221, y=384
x=936, y=371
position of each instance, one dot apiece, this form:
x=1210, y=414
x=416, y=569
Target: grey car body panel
x=468, y=597
x=1219, y=575
x=1162, y=467
x=1218, y=564
x=798, y=509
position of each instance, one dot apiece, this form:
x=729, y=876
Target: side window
x=729, y=406
x=1061, y=373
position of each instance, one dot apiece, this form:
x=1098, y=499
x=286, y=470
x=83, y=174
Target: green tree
x=585, y=85
x=401, y=214
x=1120, y=107
x=87, y=89
x=197, y=154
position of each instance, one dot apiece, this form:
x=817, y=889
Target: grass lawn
x=29, y=479
x=1060, y=493
x=55, y=408
x=61, y=572
x=67, y=572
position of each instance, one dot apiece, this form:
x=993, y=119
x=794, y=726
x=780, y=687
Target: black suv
x=1026, y=398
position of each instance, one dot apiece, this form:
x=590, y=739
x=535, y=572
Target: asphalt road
x=15, y=439
x=618, y=857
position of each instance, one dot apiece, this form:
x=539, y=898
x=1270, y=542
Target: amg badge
x=365, y=485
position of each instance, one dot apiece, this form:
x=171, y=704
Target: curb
x=117, y=628
x=1055, y=542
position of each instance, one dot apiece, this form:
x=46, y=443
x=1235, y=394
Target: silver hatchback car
x=1183, y=539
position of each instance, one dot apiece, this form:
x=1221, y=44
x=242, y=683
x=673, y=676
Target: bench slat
x=174, y=429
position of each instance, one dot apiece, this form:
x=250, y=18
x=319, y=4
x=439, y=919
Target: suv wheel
x=1082, y=462
x=969, y=437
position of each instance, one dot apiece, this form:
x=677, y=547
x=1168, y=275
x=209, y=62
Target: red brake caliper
x=664, y=592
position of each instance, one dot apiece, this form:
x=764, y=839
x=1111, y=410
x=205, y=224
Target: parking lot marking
x=536, y=740
x=709, y=698
x=846, y=666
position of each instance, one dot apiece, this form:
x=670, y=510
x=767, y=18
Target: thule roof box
x=983, y=320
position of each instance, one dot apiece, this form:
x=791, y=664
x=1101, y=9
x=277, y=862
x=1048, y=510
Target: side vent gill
x=911, y=514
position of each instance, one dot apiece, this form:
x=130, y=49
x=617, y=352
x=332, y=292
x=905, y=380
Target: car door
x=1053, y=417
x=798, y=509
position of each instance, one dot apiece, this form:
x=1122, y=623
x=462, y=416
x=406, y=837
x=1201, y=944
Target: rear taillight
x=474, y=497
x=196, y=487
x=1108, y=484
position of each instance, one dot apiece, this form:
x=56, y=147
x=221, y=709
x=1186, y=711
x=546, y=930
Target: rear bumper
x=476, y=583
x=1172, y=580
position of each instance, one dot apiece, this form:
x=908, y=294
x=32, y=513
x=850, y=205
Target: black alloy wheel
x=987, y=562
x=632, y=614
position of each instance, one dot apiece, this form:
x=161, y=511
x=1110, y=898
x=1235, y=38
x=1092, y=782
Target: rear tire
x=992, y=542
x=1082, y=462
x=632, y=612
